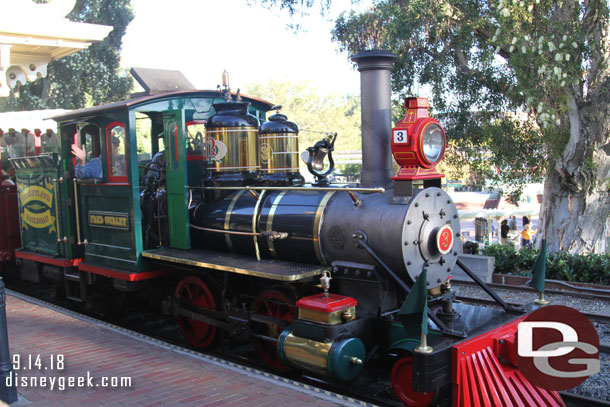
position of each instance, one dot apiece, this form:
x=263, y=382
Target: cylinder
x=375, y=94
x=278, y=142
x=342, y=359
x=232, y=143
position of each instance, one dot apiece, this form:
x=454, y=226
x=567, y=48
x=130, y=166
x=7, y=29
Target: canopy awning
x=36, y=34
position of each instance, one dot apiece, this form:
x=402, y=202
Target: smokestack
x=375, y=94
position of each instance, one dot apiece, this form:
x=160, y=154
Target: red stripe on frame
x=41, y=258
x=122, y=275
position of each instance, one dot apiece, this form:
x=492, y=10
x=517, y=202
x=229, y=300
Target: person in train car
x=6, y=181
x=29, y=142
x=49, y=142
x=12, y=144
x=93, y=167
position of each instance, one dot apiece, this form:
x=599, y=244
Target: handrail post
x=55, y=182
x=79, y=242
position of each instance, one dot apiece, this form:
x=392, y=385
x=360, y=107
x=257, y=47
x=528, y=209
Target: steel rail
x=595, y=317
x=577, y=400
x=507, y=307
x=581, y=293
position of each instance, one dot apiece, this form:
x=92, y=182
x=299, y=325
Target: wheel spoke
x=194, y=292
x=273, y=303
x=189, y=291
x=269, y=309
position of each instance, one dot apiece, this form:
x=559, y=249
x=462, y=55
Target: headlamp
x=433, y=143
x=418, y=142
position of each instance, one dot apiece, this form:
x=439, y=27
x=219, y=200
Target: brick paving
x=159, y=376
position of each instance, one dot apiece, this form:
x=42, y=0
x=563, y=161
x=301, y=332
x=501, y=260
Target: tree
x=548, y=59
x=89, y=77
x=352, y=171
x=315, y=114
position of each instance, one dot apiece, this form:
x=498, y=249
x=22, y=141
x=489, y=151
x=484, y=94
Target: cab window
x=90, y=137
x=115, y=145
x=195, y=140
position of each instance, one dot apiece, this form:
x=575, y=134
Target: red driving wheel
x=273, y=303
x=194, y=292
x=402, y=376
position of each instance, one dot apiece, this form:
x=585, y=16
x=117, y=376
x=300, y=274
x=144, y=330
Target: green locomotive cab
x=143, y=159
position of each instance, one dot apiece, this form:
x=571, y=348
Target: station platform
x=52, y=345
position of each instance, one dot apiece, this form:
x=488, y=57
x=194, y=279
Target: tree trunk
x=574, y=221
x=576, y=204
x=575, y=211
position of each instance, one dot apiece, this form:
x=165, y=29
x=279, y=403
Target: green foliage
x=509, y=261
x=526, y=258
x=506, y=258
x=591, y=268
x=582, y=268
x=89, y=77
x=350, y=171
x=315, y=114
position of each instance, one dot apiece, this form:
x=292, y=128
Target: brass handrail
x=77, y=214
x=55, y=182
x=255, y=222
x=355, y=200
x=263, y=188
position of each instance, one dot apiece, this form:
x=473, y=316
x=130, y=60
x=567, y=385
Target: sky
x=201, y=38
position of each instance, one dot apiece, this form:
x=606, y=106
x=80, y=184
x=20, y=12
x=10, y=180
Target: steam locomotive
x=201, y=209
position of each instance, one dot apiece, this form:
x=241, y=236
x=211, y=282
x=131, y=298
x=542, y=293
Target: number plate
x=400, y=137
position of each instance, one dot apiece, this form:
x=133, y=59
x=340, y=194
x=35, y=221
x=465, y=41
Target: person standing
x=513, y=223
x=504, y=229
x=526, y=236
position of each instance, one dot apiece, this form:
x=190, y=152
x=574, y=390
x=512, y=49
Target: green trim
x=177, y=193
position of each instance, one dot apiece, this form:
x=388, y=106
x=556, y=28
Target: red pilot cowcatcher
x=418, y=143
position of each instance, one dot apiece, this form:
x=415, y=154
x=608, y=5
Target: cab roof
x=126, y=104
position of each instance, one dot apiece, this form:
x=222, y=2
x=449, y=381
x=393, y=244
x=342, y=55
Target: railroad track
x=578, y=292
x=576, y=400
x=489, y=302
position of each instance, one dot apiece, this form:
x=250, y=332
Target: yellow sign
x=109, y=220
x=38, y=220
x=37, y=202
x=38, y=194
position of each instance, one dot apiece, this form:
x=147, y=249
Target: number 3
x=400, y=136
